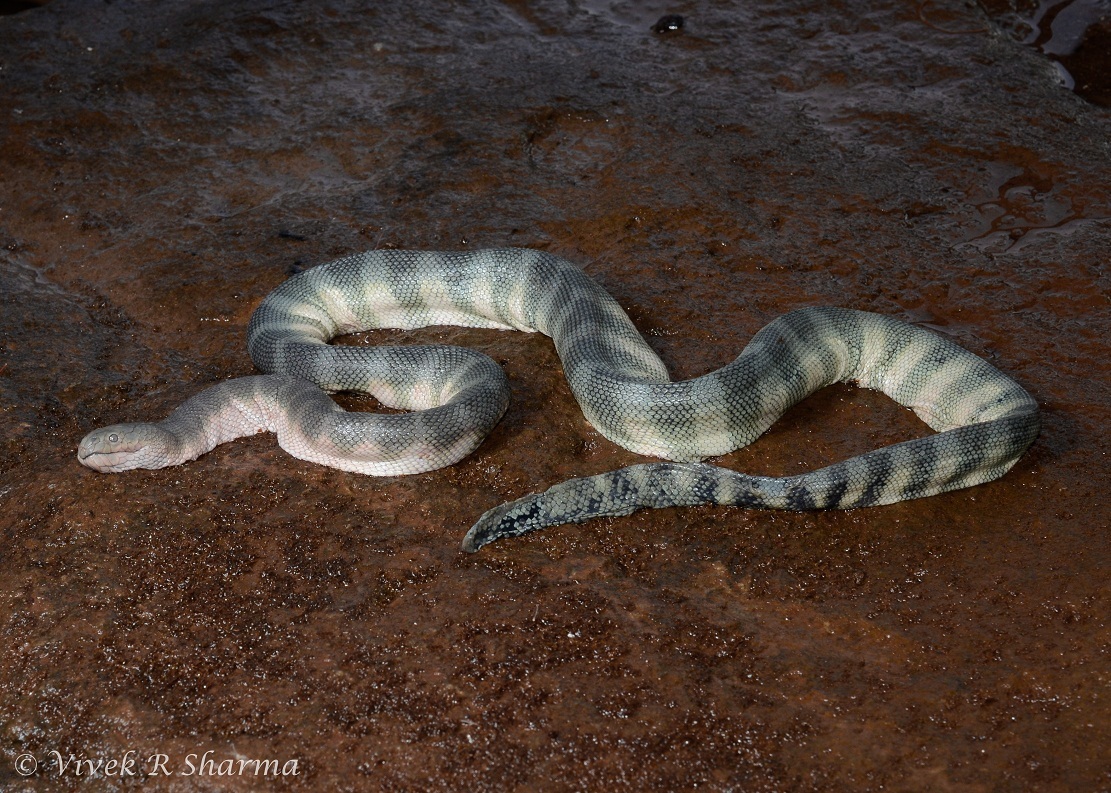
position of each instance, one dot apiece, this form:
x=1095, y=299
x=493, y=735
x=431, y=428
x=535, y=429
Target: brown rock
x=163, y=166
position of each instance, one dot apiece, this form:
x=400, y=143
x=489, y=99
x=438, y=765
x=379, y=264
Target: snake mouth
x=108, y=461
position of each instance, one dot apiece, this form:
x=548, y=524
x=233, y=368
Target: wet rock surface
x=163, y=167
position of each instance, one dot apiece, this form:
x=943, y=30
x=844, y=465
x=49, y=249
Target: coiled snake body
x=985, y=421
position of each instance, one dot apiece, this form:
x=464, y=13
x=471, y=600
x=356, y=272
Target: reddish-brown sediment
x=163, y=167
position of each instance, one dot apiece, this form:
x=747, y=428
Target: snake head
x=122, y=447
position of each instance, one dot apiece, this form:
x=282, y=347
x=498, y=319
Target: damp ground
x=163, y=167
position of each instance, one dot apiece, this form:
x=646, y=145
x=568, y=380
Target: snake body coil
x=985, y=421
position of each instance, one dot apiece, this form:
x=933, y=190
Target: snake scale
x=984, y=420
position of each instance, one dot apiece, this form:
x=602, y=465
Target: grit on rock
x=164, y=167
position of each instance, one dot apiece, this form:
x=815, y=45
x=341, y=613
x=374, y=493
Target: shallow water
x=163, y=168
x=1075, y=34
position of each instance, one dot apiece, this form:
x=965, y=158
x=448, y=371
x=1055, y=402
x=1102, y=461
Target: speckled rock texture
x=165, y=166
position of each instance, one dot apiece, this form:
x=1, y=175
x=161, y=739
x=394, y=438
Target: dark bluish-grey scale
x=984, y=420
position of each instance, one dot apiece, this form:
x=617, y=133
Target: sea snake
x=984, y=420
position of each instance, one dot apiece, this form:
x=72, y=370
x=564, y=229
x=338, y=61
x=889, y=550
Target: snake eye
x=113, y=438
